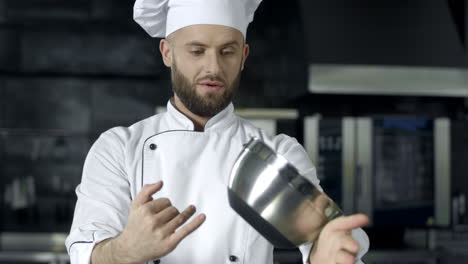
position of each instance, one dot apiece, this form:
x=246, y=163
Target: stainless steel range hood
x=388, y=80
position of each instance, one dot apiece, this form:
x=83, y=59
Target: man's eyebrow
x=196, y=43
x=200, y=44
x=231, y=43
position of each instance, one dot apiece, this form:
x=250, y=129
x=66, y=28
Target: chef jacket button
x=156, y=261
x=233, y=258
x=153, y=146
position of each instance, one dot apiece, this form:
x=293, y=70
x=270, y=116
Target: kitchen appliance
x=395, y=169
x=270, y=194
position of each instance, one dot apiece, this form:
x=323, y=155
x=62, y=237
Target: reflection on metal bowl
x=271, y=195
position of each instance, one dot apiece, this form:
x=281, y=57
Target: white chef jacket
x=195, y=168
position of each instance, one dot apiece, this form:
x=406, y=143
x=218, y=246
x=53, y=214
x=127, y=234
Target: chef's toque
x=159, y=18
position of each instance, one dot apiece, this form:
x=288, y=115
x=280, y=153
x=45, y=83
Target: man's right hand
x=152, y=229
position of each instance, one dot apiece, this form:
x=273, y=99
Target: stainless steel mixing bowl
x=271, y=195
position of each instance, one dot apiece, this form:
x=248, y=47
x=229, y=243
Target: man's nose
x=212, y=65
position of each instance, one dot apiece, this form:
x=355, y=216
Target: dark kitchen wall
x=100, y=58
x=70, y=70
x=94, y=49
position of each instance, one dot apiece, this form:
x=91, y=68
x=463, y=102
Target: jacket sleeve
x=296, y=154
x=103, y=196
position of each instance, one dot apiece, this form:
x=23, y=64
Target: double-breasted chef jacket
x=195, y=169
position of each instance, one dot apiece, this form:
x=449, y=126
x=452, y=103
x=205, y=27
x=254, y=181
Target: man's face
x=206, y=62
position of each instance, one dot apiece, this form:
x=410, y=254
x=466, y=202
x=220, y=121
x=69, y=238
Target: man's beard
x=209, y=104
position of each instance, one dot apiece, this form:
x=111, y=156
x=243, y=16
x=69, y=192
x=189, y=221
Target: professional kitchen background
x=377, y=91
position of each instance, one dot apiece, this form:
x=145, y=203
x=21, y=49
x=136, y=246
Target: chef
x=142, y=185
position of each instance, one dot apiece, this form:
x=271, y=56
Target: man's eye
x=227, y=52
x=196, y=52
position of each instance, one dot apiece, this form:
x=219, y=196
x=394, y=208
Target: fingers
x=188, y=228
x=181, y=219
x=168, y=214
x=343, y=257
x=158, y=205
x=145, y=194
x=350, y=245
x=336, y=241
x=347, y=223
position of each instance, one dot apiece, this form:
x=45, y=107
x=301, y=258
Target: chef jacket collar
x=221, y=120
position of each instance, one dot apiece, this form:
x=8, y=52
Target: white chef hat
x=159, y=18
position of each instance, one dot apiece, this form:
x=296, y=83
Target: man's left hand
x=335, y=243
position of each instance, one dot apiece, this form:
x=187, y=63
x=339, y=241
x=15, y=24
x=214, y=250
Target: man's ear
x=166, y=52
x=245, y=54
